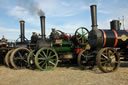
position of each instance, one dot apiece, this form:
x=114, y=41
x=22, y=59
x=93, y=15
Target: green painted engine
x=63, y=46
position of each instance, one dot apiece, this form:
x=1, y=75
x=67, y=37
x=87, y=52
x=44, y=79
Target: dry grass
x=63, y=76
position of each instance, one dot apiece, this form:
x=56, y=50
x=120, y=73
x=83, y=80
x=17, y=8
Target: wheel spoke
x=104, y=56
x=79, y=38
x=85, y=34
x=52, y=60
x=82, y=39
x=46, y=65
x=52, y=63
x=103, y=62
x=105, y=65
x=41, y=59
x=52, y=56
x=41, y=55
x=79, y=33
x=41, y=62
x=17, y=58
x=44, y=54
x=49, y=54
x=20, y=54
x=110, y=67
x=82, y=30
x=84, y=55
x=25, y=61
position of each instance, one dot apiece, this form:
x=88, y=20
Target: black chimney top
x=42, y=20
x=22, y=31
x=94, y=16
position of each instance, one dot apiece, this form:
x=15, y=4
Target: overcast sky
x=65, y=15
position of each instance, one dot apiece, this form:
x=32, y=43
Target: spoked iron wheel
x=84, y=61
x=107, y=60
x=7, y=58
x=46, y=59
x=81, y=35
x=30, y=59
x=18, y=58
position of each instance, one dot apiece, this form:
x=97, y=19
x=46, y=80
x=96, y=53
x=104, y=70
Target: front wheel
x=46, y=59
x=30, y=59
x=85, y=61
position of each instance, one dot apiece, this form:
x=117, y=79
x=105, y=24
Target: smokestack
x=22, y=35
x=94, y=16
x=115, y=24
x=42, y=20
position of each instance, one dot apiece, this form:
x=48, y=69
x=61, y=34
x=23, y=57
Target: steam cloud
x=32, y=7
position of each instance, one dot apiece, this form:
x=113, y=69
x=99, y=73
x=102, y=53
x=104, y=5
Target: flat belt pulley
x=81, y=35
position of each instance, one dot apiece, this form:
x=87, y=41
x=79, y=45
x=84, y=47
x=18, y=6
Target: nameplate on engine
x=58, y=41
x=123, y=37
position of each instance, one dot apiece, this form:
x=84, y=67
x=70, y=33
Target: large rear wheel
x=7, y=58
x=108, y=60
x=18, y=58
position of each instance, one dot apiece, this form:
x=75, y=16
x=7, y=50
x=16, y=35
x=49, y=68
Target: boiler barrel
x=108, y=38
x=113, y=38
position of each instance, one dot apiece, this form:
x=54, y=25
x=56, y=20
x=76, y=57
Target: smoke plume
x=32, y=6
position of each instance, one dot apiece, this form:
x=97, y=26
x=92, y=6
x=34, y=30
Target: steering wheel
x=81, y=35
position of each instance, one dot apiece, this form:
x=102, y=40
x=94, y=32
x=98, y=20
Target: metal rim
x=81, y=35
x=108, y=60
x=7, y=58
x=18, y=58
x=46, y=59
x=30, y=59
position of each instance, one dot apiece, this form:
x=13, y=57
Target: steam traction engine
x=5, y=46
x=16, y=56
x=107, y=46
x=59, y=46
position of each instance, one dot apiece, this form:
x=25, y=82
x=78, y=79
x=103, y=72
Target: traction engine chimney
x=42, y=20
x=94, y=16
x=22, y=31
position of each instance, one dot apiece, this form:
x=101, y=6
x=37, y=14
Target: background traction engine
x=16, y=57
x=5, y=46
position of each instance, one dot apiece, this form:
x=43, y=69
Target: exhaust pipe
x=94, y=16
x=42, y=20
x=22, y=31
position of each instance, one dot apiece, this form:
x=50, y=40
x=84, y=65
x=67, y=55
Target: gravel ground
x=63, y=76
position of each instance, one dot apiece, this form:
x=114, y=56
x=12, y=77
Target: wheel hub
x=109, y=60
